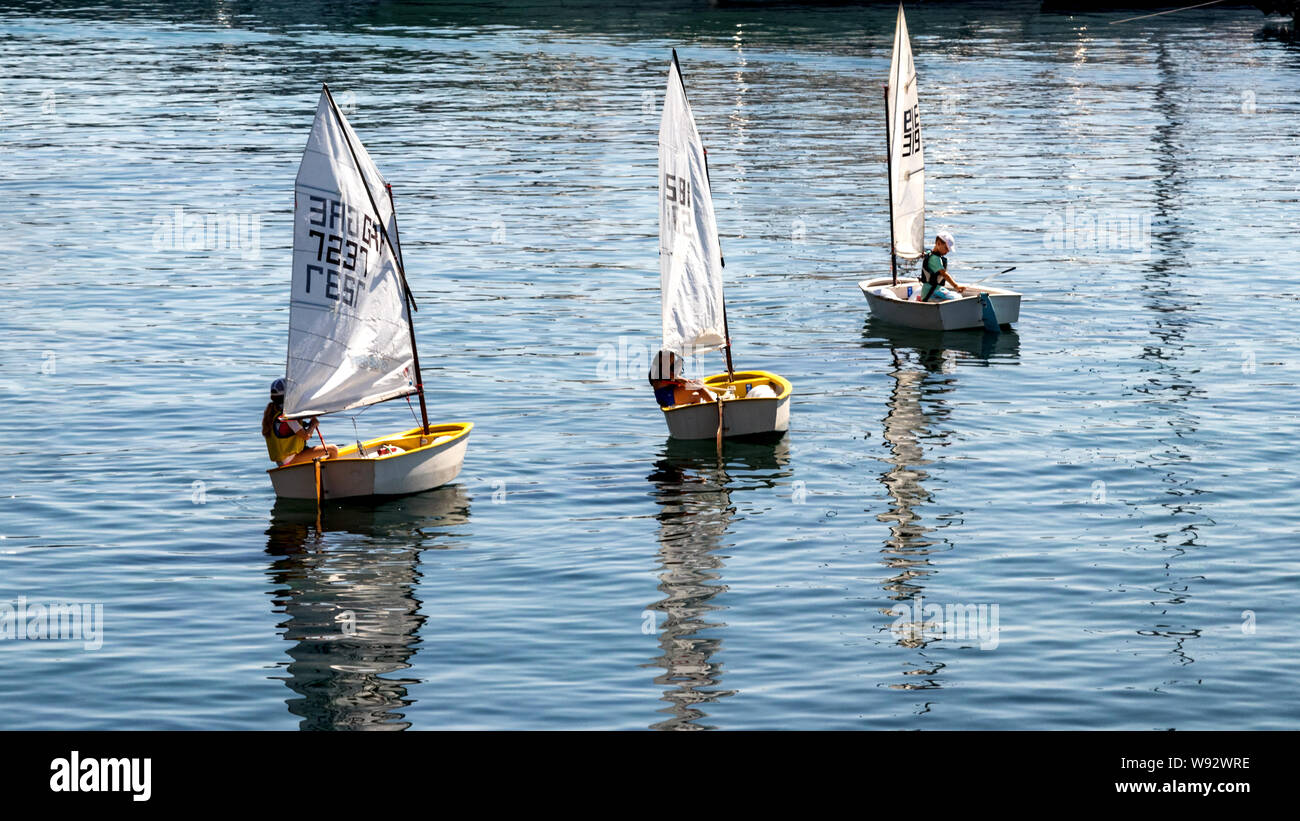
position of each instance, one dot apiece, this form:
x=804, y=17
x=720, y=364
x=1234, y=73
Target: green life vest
x=931, y=278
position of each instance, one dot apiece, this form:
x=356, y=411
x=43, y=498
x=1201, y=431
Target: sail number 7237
x=343, y=263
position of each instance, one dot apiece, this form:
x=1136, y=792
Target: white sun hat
x=666, y=365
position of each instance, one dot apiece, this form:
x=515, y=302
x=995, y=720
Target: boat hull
x=742, y=418
x=351, y=476
x=948, y=315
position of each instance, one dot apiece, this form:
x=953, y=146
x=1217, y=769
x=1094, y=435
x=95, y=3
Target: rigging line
x=1170, y=11
x=366, y=408
x=355, y=416
x=360, y=450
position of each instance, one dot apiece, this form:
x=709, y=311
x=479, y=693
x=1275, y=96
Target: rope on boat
x=360, y=450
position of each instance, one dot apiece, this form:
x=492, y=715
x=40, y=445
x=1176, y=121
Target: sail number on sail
x=338, y=256
x=912, y=131
x=677, y=192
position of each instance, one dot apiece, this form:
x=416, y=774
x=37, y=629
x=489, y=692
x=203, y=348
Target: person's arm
x=702, y=391
x=691, y=391
x=302, y=432
x=940, y=275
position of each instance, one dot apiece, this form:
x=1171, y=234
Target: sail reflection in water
x=693, y=488
x=349, y=594
x=923, y=367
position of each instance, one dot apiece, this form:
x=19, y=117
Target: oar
x=990, y=276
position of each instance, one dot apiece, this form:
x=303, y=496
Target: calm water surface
x=1118, y=474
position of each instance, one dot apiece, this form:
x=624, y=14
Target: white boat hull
x=350, y=476
x=948, y=315
x=741, y=417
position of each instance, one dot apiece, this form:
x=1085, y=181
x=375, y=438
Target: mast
x=889, y=165
x=726, y=329
x=410, y=321
x=397, y=255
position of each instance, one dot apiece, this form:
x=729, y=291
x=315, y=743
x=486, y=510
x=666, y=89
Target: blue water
x=1117, y=474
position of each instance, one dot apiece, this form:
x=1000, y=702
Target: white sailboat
x=893, y=299
x=694, y=313
x=351, y=338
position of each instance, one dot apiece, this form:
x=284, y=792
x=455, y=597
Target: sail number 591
x=677, y=192
x=677, y=189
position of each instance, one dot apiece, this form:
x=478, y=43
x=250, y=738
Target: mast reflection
x=924, y=370
x=693, y=488
x=1165, y=376
x=348, y=591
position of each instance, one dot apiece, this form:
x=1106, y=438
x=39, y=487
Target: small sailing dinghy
x=749, y=403
x=351, y=338
x=895, y=300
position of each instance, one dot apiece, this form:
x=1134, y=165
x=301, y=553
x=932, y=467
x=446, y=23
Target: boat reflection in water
x=693, y=488
x=923, y=366
x=348, y=591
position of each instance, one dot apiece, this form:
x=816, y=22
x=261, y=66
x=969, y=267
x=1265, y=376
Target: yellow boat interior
x=408, y=441
x=742, y=383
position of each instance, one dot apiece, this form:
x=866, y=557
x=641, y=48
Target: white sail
x=690, y=261
x=349, y=338
x=907, y=160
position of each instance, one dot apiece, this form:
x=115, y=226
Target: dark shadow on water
x=1282, y=32
x=348, y=591
x=781, y=25
x=693, y=488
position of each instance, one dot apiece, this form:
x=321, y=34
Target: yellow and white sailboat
x=351, y=338
x=748, y=403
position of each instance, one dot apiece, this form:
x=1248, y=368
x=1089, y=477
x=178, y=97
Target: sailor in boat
x=669, y=385
x=934, y=271
x=286, y=439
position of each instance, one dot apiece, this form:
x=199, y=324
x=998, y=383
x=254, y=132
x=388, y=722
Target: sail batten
x=690, y=258
x=349, y=331
x=907, y=157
